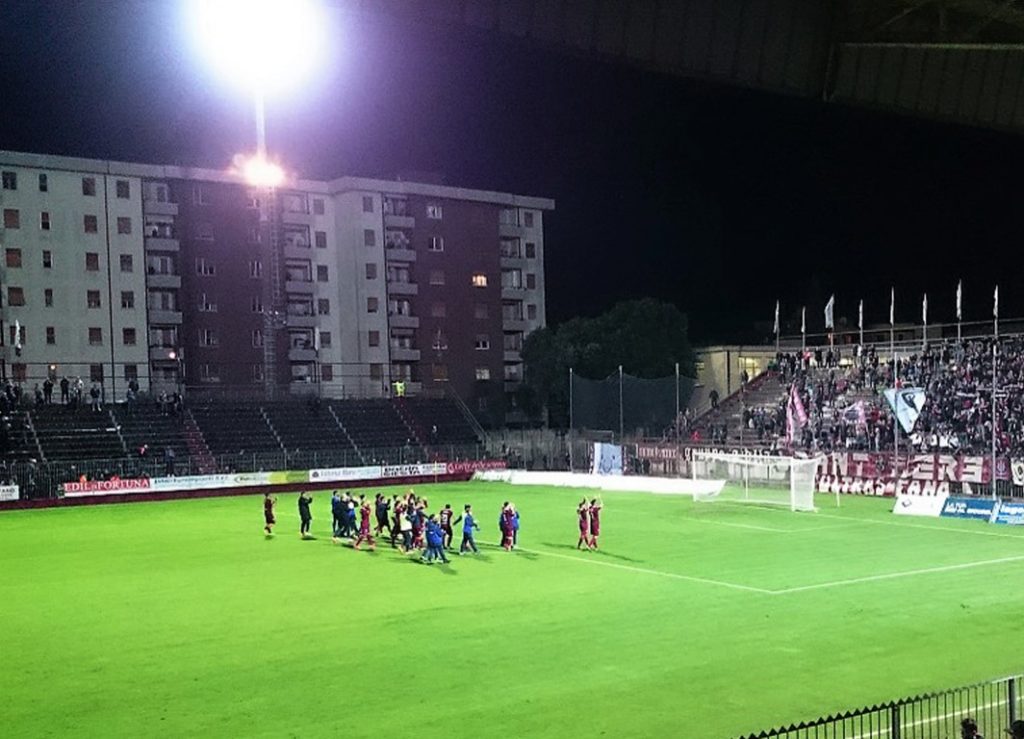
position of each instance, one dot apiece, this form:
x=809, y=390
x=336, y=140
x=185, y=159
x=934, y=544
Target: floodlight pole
x=895, y=405
x=620, y=405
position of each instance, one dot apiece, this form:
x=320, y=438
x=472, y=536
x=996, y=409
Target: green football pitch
x=181, y=619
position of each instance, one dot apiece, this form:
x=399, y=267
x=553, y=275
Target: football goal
x=786, y=481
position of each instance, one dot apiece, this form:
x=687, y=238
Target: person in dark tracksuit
x=336, y=514
x=304, y=515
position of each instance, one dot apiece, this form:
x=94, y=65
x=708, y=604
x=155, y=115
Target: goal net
x=786, y=481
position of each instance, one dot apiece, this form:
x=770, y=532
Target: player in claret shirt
x=269, y=501
x=595, y=521
x=583, y=512
x=445, y=519
x=364, y=525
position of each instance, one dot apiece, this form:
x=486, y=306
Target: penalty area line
x=897, y=575
x=645, y=571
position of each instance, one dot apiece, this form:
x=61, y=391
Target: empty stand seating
x=376, y=427
x=146, y=424
x=442, y=414
x=235, y=429
x=302, y=427
x=72, y=433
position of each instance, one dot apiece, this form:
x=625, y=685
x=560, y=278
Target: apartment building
x=190, y=279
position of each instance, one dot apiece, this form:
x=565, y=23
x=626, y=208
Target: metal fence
x=993, y=705
x=43, y=480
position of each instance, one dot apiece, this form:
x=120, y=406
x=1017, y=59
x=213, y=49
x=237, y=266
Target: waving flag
x=776, y=317
x=860, y=316
x=892, y=308
x=960, y=300
x=796, y=416
x=906, y=403
x=924, y=310
x=830, y=307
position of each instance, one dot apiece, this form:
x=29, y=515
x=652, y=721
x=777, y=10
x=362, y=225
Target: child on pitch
x=595, y=521
x=269, y=501
x=583, y=511
x=364, y=525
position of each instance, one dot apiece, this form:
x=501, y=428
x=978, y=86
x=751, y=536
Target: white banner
x=9, y=492
x=919, y=505
x=415, y=470
x=342, y=474
x=1017, y=470
x=107, y=487
x=607, y=459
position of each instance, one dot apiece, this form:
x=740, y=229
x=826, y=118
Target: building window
x=13, y=258
x=512, y=279
x=17, y=336
x=127, y=300
x=396, y=206
x=482, y=343
x=513, y=372
x=161, y=193
x=479, y=279
x=374, y=338
x=531, y=250
x=435, y=212
x=124, y=225
x=44, y=221
x=209, y=372
x=51, y=335
x=376, y=371
x=531, y=312
x=439, y=372
x=320, y=237
x=367, y=204
x=199, y=195
x=90, y=224
x=480, y=311
x=372, y=305
x=123, y=189
x=323, y=307
x=208, y=337
x=128, y=336
x=131, y=373
x=255, y=236
x=508, y=217
x=531, y=281
x=255, y=269
x=256, y=305
x=96, y=337
x=48, y=297
x=15, y=296
x=436, y=243
x=318, y=206
x=12, y=218
x=10, y=180
x=92, y=262
x=325, y=339
x=528, y=218
x=44, y=183
x=92, y=299
x=89, y=186
x=510, y=249
x=127, y=263
x=257, y=337
x=204, y=232
x=96, y=373
x=206, y=305
x=438, y=310
x=257, y=373
x=326, y=373
x=47, y=259
x=205, y=268
x=440, y=342
x=369, y=237
x=481, y=403
x=512, y=310
x=20, y=371
x=321, y=273
x=436, y=277
x=513, y=341
x=371, y=271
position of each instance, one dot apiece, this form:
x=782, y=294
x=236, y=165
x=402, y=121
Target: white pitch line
x=895, y=575
x=933, y=719
x=952, y=530
x=645, y=571
x=743, y=526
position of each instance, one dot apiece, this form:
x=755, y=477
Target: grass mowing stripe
x=645, y=571
x=895, y=575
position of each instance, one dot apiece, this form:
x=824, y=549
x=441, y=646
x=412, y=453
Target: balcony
x=161, y=354
x=403, y=288
x=156, y=208
x=162, y=243
x=301, y=321
x=393, y=221
x=402, y=354
x=508, y=262
x=513, y=324
x=512, y=293
x=397, y=320
x=302, y=287
x=158, y=316
x=297, y=217
x=301, y=354
x=512, y=385
x=163, y=280
x=513, y=355
x=511, y=230
x=396, y=254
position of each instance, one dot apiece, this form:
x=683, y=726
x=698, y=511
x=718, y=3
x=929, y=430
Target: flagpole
x=620, y=404
x=803, y=331
x=924, y=321
x=959, y=308
x=995, y=349
x=777, y=327
x=570, y=419
x=860, y=325
x=895, y=383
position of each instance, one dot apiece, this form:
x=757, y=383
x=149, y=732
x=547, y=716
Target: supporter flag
x=796, y=416
x=892, y=308
x=995, y=303
x=803, y=320
x=776, y=317
x=924, y=310
x=960, y=300
x=856, y=414
x=860, y=316
x=17, y=338
x=906, y=403
x=830, y=307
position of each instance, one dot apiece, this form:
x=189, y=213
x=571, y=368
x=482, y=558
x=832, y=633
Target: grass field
x=180, y=619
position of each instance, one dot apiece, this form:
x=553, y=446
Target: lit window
x=435, y=212
x=479, y=280
x=482, y=342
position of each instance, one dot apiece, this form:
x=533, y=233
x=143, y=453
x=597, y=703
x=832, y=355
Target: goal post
x=766, y=480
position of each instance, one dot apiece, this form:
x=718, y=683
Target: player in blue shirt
x=468, y=524
x=435, y=542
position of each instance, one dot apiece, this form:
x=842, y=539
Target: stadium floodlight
x=268, y=47
x=261, y=172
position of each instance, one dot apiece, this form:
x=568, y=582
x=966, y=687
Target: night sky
x=720, y=200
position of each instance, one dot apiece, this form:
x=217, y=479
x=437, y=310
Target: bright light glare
x=269, y=46
x=260, y=172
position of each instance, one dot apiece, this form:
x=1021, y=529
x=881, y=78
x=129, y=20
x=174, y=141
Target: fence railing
x=993, y=705
x=43, y=480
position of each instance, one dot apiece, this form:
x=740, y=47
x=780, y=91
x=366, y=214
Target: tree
x=647, y=337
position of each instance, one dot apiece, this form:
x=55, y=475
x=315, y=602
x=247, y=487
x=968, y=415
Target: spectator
x=1016, y=729
x=713, y=396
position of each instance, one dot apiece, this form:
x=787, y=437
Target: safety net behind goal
x=784, y=481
